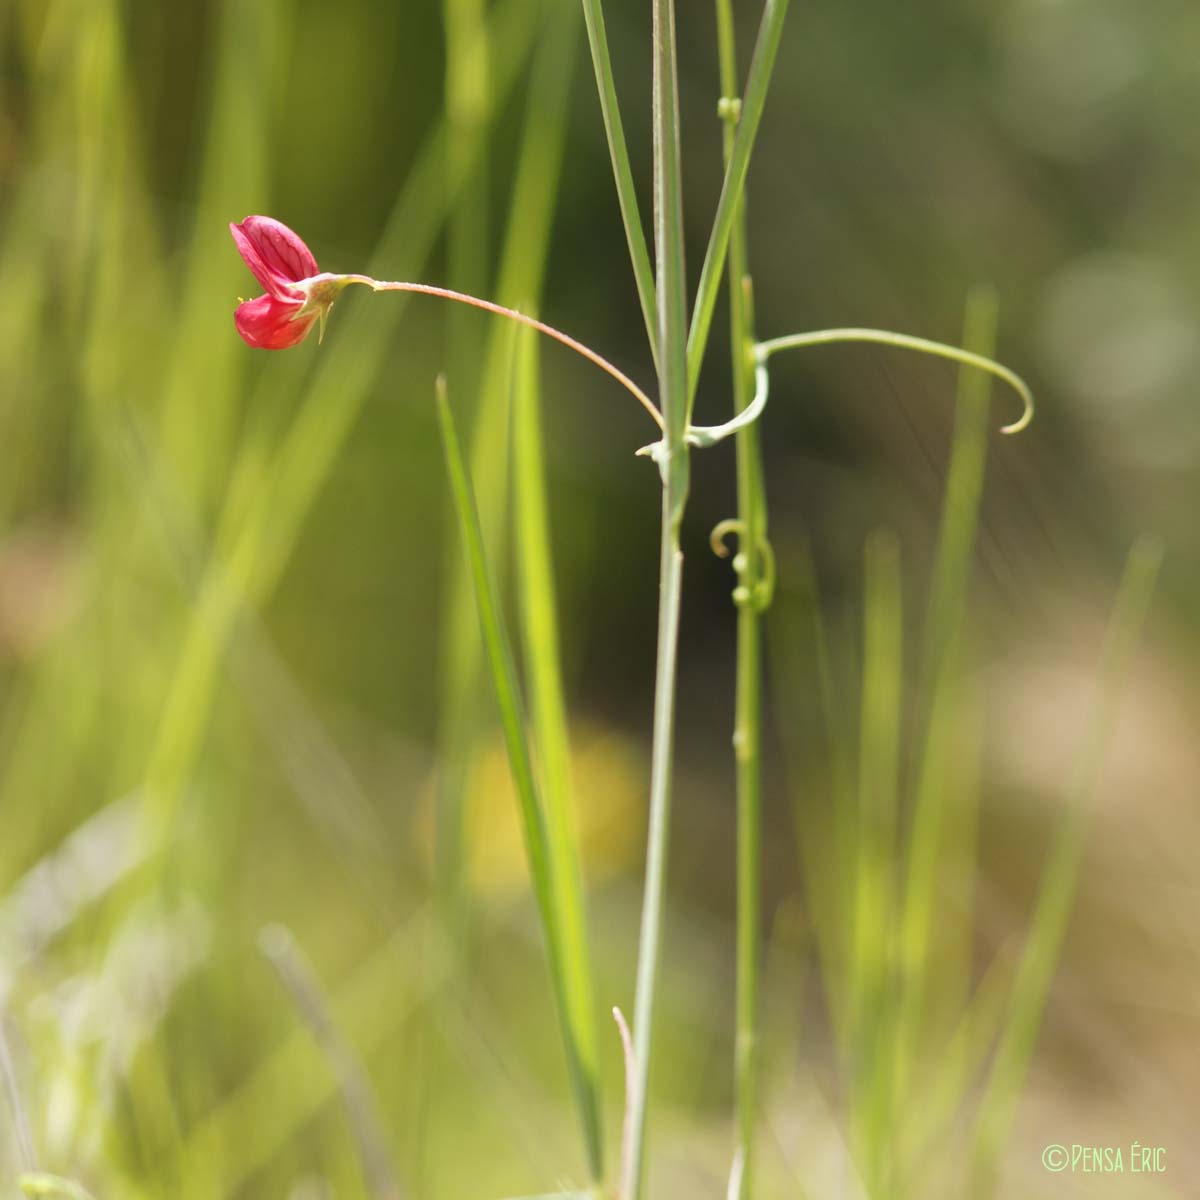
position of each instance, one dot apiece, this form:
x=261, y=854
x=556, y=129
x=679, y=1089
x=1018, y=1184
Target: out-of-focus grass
x=549, y=845
x=892, y=893
x=542, y=655
x=165, y=417
x=221, y=584
x=520, y=280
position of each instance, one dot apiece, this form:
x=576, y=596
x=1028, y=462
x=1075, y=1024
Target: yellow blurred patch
x=609, y=777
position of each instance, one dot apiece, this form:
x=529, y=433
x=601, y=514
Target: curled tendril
x=904, y=341
x=720, y=531
x=702, y=436
x=759, y=594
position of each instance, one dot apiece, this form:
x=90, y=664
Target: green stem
x=673, y=465
x=747, y=748
x=670, y=585
x=747, y=736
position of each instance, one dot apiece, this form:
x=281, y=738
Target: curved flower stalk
x=298, y=295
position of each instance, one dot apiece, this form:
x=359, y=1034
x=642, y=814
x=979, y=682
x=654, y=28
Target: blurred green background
x=237, y=672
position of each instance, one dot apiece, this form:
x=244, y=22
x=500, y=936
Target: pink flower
x=283, y=264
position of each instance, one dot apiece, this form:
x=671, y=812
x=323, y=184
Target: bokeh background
x=238, y=682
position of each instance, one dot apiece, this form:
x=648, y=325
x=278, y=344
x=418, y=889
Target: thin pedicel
x=298, y=296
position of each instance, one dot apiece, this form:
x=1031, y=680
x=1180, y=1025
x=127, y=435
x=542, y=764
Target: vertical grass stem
x=747, y=736
x=673, y=464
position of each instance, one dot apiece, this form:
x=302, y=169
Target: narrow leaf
x=503, y=673
x=931, y=834
x=543, y=670
x=631, y=217
x=770, y=31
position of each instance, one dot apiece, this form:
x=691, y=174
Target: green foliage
x=916, y=1038
x=39, y=1184
x=551, y=853
x=241, y=672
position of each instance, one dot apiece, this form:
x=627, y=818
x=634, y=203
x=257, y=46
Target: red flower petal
x=275, y=254
x=269, y=323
